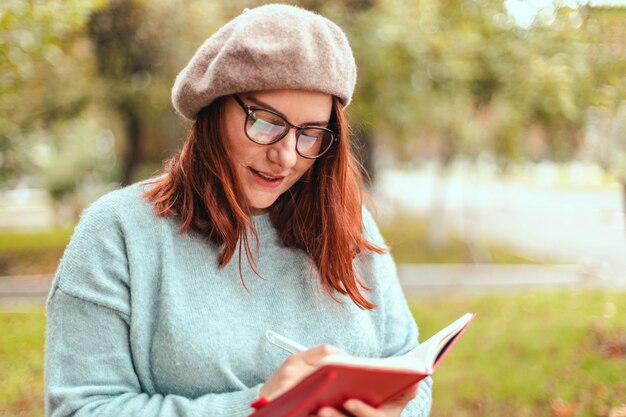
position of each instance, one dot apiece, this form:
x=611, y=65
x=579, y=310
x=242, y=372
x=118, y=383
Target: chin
x=257, y=208
x=261, y=201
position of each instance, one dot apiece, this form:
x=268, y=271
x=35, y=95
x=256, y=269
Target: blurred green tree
x=108, y=63
x=126, y=45
x=437, y=78
x=441, y=78
x=139, y=47
x=459, y=77
x=605, y=29
x=44, y=72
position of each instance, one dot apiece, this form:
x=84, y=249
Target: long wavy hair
x=320, y=213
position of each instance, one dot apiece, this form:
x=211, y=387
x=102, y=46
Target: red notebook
x=374, y=381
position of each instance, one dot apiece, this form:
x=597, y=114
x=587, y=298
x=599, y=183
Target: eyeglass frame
x=299, y=129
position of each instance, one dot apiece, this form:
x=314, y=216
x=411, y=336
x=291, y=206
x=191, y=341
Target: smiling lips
x=265, y=179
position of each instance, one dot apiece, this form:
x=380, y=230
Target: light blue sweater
x=142, y=322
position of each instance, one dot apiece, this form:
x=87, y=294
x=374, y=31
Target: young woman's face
x=266, y=171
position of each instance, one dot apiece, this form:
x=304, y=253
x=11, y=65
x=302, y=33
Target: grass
x=14, y=241
x=560, y=354
x=22, y=337
x=407, y=237
x=32, y=252
x=537, y=354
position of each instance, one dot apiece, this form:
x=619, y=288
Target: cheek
x=231, y=139
x=304, y=166
x=240, y=150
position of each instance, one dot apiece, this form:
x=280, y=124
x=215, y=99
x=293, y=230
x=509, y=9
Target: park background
x=494, y=133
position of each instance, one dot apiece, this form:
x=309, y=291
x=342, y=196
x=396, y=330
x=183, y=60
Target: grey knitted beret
x=274, y=46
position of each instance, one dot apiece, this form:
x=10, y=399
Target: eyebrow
x=324, y=123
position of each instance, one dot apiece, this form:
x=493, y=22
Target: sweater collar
x=262, y=223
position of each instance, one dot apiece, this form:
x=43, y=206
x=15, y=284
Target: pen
x=283, y=343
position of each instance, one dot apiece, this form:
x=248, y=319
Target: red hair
x=320, y=213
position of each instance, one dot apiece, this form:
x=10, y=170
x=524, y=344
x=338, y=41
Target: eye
x=261, y=125
x=313, y=142
x=308, y=140
x=267, y=118
x=264, y=127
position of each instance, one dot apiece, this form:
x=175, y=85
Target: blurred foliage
x=437, y=78
x=45, y=74
x=448, y=77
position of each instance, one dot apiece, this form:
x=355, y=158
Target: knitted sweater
x=143, y=322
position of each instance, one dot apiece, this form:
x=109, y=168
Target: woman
x=162, y=299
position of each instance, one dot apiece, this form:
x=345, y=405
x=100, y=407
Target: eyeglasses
x=265, y=127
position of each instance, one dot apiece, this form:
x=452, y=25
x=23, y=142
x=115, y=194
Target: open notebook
x=372, y=380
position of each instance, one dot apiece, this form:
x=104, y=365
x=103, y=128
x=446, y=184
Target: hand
x=358, y=408
x=295, y=368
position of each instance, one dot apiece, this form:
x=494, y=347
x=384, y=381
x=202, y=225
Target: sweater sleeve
x=89, y=368
x=400, y=332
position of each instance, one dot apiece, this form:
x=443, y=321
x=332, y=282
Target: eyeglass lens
x=265, y=127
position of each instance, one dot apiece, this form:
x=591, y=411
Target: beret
x=275, y=46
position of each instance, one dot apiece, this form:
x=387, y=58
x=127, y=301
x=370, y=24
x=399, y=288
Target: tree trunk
x=132, y=154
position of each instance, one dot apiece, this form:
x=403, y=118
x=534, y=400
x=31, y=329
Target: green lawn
x=536, y=354
x=22, y=336
x=407, y=237
x=32, y=252
x=13, y=241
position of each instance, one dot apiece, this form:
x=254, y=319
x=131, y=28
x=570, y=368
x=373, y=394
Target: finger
x=315, y=355
x=360, y=409
x=330, y=412
x=400, y=401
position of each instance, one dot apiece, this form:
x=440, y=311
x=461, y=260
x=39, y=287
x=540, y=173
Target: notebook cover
x=333, y=384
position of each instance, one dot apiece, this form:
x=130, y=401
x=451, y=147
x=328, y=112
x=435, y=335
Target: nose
x=283, y=152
